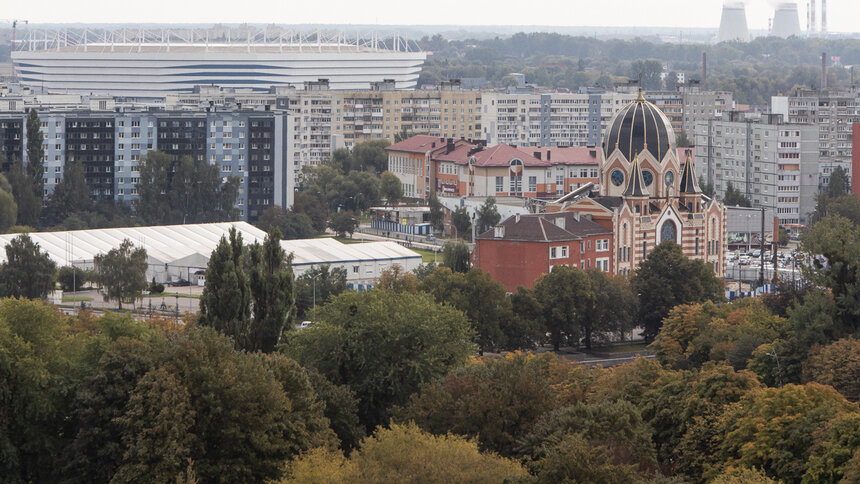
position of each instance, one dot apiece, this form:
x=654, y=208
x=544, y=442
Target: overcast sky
x=842, y=14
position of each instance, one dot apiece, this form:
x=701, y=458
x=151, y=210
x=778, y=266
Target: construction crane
x=14, y=23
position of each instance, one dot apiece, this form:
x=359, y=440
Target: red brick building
x=522, y=248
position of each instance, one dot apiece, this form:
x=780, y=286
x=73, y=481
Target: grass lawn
x=173, y=295
x=76, y=299
x=427, y=255
x=347, y=240
x=621, y=348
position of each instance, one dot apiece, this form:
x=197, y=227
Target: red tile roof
x=460, y=155
x=418, y=144
x=502, y=154
x=571, y=155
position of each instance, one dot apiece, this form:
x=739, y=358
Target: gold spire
x=641, y=97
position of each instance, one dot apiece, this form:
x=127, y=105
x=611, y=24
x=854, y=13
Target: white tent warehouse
x=178, y=251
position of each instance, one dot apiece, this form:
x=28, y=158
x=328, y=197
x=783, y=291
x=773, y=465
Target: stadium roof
x=172, y=244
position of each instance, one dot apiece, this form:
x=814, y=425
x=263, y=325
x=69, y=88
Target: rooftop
x=546, y=227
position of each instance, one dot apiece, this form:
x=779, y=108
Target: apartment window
x=532, y=183
x=601, y=245
x=500, y=184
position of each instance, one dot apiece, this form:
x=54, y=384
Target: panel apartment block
x=774, y=164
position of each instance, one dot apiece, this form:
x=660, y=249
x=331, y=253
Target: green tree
x=121, y=273
x=564, y=296
x=390, y=188
x=271, y=282
x=184, y=191
x=612, y=310
x=707, y=188
x=462, y=223
x=487, y=216
x=341, y=409
x=29, y=202
x=370, y=156
x=72, y=278
x=456, y=256
x=35, y=152
x=70, y=196
x=8, y=207
x=839, y=183
x=480, y=298
x=437, y=213
x=226, y=301
x=28, y=271
x=846, y=205
x=291, y=224
x=648, y=71
x=575, y=459
x=311, y=205
x=617, y=426
x=316, y=286
x=343, y=223
x=237, y=416
x=497, y=400
x=423, y=340
x=838, y=241
x=666, y=279
x=404, y=453
x=32, y=388
x=96, y=449
x=682, y=141
x=733, y=197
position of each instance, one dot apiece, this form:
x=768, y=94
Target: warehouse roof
x=177, y=244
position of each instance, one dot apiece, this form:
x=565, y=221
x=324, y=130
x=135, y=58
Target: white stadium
x=150, y=63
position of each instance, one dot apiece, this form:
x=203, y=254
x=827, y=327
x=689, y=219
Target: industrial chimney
x=733, y=23
x=785, y=21
x=823, y=18
x=704, y=70
x=811, y=17
x=823, y=71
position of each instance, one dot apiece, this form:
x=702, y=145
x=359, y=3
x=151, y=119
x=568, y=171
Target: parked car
x=179, y=283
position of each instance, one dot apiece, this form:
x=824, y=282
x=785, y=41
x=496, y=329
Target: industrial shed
x=178, y=251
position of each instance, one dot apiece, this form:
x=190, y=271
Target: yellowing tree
x=405, y=454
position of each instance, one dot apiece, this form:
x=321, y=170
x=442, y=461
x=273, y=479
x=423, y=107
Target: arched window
x=516, y=173
x=669, y=232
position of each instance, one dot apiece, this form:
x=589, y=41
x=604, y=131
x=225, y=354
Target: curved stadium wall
x=153, y=71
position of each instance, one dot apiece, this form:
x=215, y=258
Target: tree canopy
x=121, y=272
x=423, y=340
x=28, y=271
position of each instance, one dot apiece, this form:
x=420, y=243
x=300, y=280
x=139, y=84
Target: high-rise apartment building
x=549, y=119
x=834, y=113
x=773, y=163
x=251, y=145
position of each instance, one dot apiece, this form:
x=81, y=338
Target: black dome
x=638, y=126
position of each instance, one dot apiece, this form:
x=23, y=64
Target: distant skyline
x=841, y=15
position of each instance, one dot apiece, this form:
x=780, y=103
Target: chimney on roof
x=576, y=216
x=450, y=146
x=548, y=155
x=592, y=153
x=433, y=144
x=559, y=221
x=537, y=154
x=517, y=218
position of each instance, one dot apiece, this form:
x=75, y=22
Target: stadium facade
x=149, y=63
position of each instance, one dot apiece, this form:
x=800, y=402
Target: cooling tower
x=785, y=21
x=733, y=23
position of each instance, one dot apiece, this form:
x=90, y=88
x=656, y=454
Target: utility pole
x=761, y=253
